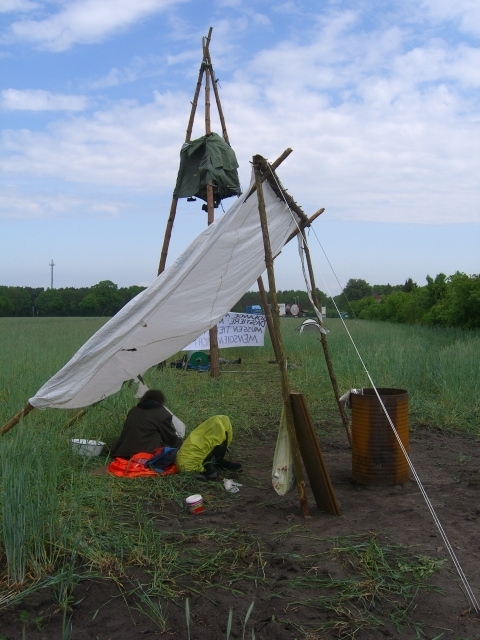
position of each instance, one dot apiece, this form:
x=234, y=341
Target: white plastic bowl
x=87, y=447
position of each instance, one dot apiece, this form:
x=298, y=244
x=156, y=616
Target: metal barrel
x=376, y=455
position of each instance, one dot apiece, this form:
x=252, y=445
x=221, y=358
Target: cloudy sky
x=378, y=99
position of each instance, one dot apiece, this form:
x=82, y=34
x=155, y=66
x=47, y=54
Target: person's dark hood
x=149, y=404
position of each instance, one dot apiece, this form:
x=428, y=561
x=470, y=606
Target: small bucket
x=195, y=503
x=87, y=448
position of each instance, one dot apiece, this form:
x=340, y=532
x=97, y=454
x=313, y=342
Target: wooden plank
x=312, y=456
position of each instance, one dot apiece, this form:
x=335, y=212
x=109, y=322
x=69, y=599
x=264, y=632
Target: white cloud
x=381, y=131
x=40, y=100
x=465, y=12
x=128, y=145
x=17, y=5
x=286, y=7
x=18, y=205
x=86, y=21
x=139, y=68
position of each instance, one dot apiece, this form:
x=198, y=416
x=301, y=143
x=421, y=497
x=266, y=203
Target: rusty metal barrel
x=376, y=455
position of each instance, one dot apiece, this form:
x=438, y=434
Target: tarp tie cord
x=458, y=567
x=333, y=271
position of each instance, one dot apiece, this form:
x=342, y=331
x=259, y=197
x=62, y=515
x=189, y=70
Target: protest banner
x=234, y=330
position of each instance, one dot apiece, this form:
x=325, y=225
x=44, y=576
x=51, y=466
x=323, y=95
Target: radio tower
x=51, y=265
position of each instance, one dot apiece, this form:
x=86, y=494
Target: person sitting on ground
x=205, y=448
x=148, y=427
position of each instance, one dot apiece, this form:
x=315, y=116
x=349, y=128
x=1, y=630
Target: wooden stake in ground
x=297, y=462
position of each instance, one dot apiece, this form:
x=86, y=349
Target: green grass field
x=439, y=367
x=52, y=529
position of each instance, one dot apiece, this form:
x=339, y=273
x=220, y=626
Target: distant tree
x=50, y=303
x=103, y=299
x=386, y=289
x=409, y=285
x=436, y=288
x=72, y=298
x=356, y=289
x=459, y=304
x=128, y=293
x=366, y=308
x=6, y=306
x=20, y=298
x=90, y=305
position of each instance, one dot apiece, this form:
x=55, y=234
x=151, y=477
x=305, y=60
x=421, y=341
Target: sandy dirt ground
x=292, y=547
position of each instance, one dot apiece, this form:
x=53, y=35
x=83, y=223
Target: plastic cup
x=195, y=503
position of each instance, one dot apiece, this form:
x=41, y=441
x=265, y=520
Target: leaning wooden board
x=312, y=456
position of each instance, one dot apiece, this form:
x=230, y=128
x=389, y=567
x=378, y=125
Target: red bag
x=135, y=467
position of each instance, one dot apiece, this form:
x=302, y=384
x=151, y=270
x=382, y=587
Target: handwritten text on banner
x=234, y=330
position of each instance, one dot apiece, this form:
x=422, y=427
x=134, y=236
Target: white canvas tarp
x=188, y=298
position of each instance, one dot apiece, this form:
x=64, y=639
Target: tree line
x=444, y=301
x=103, y=299
x=449, y=301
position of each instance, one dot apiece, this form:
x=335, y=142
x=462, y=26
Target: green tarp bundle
x=206, y=159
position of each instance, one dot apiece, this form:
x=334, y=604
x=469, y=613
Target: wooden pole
x=302, y=225
x=76, y=417
x=297, y=462
x=273, y=180
x=217, y=98
x=214, y=355
x=188, y=137
x=283, y=156
x=206, y=44
x=16, y=418
x=167, y=236
x=268, y=316
x=275, y=164
x=323, y=339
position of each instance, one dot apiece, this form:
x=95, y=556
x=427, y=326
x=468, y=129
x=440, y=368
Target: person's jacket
x=148, y=427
